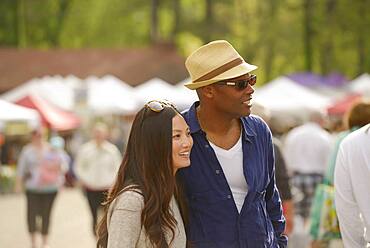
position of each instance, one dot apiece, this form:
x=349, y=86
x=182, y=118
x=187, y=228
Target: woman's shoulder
x=28, y=149
x=131, y=199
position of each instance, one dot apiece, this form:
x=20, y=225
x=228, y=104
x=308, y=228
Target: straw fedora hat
x=214, y=62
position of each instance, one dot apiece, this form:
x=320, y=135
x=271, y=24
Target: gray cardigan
x=124, y=223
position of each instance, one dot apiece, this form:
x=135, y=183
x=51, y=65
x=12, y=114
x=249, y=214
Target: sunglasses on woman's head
x=158, y=106
x=240, y=84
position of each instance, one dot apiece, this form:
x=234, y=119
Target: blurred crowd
x=305, y=159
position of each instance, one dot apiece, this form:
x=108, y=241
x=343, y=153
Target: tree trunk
x=15, y=40
x=22, y=20
x=177, y=17
x=270, y=43
x=154, y=23
x=327, y=45
x=361, y=42
x=308, y=33
x=208, y=21
x=55, y=33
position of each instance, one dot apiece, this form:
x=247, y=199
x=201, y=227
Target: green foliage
x=187, y=43
x=269, y=33
x=106, y=24
x=8, y=23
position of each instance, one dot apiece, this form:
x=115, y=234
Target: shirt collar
x=195, y=126
x=192, y=118
x=248, y=127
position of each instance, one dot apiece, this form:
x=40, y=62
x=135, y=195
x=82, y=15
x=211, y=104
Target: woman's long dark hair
x=147, y=165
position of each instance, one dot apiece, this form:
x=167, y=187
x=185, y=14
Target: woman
x=41, y=168
x=142, y=208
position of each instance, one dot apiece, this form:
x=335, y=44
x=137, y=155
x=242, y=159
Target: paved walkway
x=71, y=223
x=70, y=226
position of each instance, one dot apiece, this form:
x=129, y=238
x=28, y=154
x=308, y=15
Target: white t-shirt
x=231, y=162
x=307, y=149
x=97, y=166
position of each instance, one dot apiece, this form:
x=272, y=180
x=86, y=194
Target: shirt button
x=217, y=172
x=228, y=196
x=206, y=146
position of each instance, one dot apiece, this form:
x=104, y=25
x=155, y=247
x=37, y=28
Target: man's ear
x=208, y=91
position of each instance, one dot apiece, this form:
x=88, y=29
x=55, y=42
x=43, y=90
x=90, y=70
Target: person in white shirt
x=96, y=166
x=352, y=188
x=307, y=149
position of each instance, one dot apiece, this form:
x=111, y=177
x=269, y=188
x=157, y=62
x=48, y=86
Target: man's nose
x=250, y=89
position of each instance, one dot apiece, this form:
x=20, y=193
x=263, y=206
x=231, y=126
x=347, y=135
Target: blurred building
x=131, y=65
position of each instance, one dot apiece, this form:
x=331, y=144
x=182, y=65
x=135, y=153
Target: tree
x=282, y=36
x=60, y=18
x=208, y=20
x=308, y=6
x=327, y=44
x=363, y=32
x=177, y=16
x=154, y=21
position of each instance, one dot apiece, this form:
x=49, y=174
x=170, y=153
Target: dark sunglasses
x=240, y=84
x=158, y=106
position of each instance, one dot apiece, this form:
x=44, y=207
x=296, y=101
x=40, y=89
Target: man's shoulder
x=296, y=132
x=189, y=112
x=185, y=114
x=87, y=148
x=255, y=119
x=255, y=124
x=28, y=148
x=88, y=145
x=110, y=146
x=357, y=137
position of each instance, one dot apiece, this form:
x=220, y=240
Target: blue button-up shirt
x=214, y=220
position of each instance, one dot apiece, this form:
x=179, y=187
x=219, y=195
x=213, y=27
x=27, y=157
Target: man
x=352, y=188
x=307, y=150
x=230, y=186
x=96, y=166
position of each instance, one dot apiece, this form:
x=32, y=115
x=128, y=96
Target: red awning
x=341, y=106
x=51, y=116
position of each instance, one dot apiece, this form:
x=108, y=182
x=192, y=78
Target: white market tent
x=157, y=89
x=289, y=101
x=10, y=112
x=110, y=95
x=184, y=96
x=106, y=95
x=186, y=80
x=330, y=92
x=60, y=90
x=56, y=89
x=361, y=85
